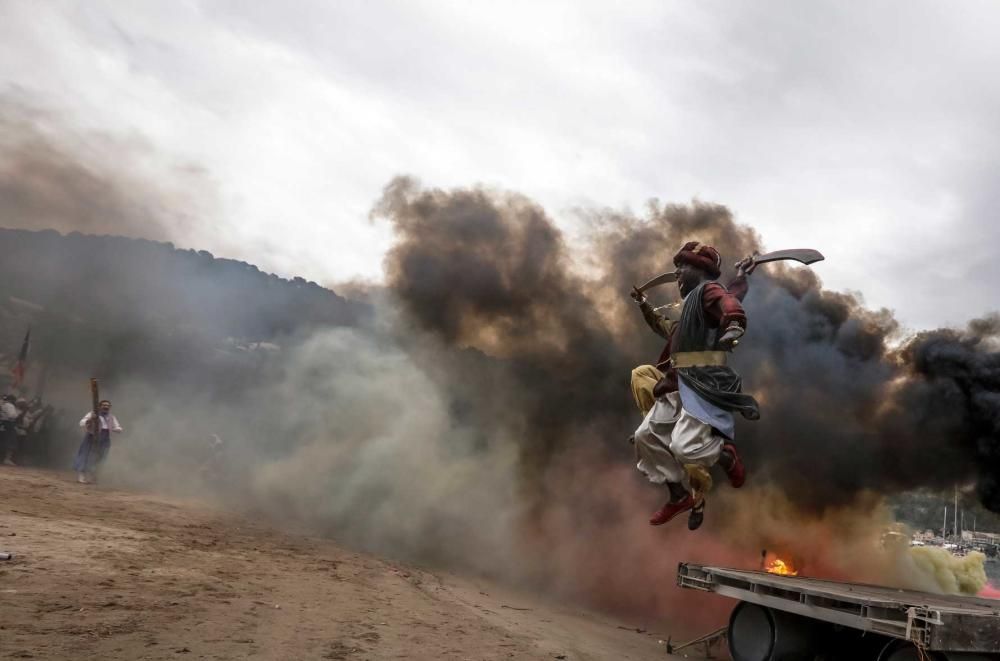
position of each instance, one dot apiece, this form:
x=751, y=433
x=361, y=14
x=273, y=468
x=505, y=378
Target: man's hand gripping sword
x=731, y=337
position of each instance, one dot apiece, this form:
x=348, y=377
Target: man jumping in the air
x=689, y=426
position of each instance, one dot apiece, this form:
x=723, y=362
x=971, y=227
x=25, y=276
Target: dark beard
x=687, y=287
x=688, y=284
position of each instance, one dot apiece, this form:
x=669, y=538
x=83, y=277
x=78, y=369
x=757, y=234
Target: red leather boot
x=736, y=471
x=670, y=510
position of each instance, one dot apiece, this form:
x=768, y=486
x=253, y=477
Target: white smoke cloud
x=359, y=441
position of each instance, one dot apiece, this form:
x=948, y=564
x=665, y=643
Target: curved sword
x=803, y=255
x=661, y=279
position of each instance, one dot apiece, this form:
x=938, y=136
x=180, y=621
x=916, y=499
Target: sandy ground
x=103, y=574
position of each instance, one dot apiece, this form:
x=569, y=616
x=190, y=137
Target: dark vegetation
x=105, y=304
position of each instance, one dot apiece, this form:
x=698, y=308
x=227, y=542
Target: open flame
x=779, y=566
x=773, y=564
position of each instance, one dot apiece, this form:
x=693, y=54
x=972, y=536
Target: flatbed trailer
x=794, y=617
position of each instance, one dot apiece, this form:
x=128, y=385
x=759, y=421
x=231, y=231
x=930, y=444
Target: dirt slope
x=106, y=574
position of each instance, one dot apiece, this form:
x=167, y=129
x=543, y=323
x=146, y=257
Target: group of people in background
x=23, y=428
x=26, y=432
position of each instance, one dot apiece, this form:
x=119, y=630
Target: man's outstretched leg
x=658, y=463
x=676, y=449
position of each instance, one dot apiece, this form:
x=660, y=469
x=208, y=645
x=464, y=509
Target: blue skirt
x=91, y=455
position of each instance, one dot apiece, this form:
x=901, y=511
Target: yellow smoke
x=949, y=573
x=858, y=542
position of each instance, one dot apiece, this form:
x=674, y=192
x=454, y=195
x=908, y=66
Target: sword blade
x=661, y=279
x=804, y=255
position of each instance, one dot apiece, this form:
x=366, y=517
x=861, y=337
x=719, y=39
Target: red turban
x=701, y=256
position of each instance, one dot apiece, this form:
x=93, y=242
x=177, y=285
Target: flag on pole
x=22, y=360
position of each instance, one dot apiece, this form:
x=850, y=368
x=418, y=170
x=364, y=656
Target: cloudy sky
x=870, y=131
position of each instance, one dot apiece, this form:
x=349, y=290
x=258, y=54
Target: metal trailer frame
x=933, y=622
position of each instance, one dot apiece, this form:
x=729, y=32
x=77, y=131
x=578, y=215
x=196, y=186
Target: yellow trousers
x=644, y=377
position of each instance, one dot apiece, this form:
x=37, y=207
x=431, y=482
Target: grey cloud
x=53, y=176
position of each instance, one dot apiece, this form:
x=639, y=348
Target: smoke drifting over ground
x=478, y=417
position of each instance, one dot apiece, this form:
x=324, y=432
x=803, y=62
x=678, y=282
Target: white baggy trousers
x=670, y=437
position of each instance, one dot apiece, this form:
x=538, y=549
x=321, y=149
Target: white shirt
x=8, y=411
x=108, y=421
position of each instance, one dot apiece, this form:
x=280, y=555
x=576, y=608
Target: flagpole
x=21, y=366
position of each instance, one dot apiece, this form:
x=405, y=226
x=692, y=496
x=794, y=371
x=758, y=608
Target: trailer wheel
x=757, y=633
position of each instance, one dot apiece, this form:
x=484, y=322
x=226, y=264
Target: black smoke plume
x=845, y=410
x=491, y=274
x=956, y=376
x=849, y=411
